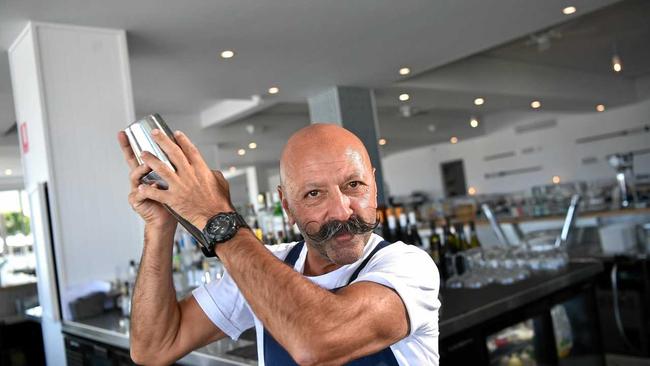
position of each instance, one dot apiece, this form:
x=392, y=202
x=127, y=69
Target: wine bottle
x=473, y=237
x=403, y=225
x=381, y=223
x=451, y=238
x=463, y=244
x=412, y=230
x=391, y=221
x=434, y=245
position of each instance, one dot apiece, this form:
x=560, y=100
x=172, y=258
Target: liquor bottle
x=393, y=233
x=412, y=230
x=125, y=300
x=258, y=232
x=381, y=229
x=473, y=238
x=403, y=225
x=435, y=245
x=446, y=253
x=451, y=239
x=279, y=220
x=280, y=238
x=463, y=244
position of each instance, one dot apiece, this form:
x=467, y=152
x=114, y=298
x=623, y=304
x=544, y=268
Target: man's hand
x=195, y=192
x=152, y=212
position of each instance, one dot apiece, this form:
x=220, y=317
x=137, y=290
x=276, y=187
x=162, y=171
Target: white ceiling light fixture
x=453, y=140
x=252, y=145
x=274, y=90
x=479, y=101
x=600, y=108
x=535, y=104
x=241, y=152
x=227, y=54
x=617, y=65
x=431, y=128
x=404, y=71
x=232, y=169
x=382, y=141
x=473, y=122
x=404, y=97
x=471, y=191
x=569, y=10
x=9, y=172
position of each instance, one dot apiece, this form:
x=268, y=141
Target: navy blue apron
x=275, y=355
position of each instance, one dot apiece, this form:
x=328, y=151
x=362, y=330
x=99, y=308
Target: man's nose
x=339, y=206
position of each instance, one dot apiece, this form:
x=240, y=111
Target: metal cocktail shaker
x=140, y=139
x=139, y=134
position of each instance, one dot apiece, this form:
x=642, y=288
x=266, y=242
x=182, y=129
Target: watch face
x=222, y=226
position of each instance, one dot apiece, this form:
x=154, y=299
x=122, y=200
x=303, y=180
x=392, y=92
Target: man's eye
x=312, y=194
x=354, y=184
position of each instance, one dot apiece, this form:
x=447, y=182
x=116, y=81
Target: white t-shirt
x=405, y=268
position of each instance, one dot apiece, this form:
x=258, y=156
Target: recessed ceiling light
x=232, y=169
x=535, y=104
x=569, y=10
x=617, y=65
x=556, y=179
x=9, y=172
x=241, y=152
x=431, y=128
x=404, y=71
x=404, y=97
x=382, y=141
x=479, y=101
x=471, y=191
x=453, y=140
x=473, y=122
x=252, y=145
x=274, y=90
x=227, y=54
x=600, y=108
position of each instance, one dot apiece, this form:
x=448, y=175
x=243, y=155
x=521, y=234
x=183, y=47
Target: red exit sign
x=24, y=139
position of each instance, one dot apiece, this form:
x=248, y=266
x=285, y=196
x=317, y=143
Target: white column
x=72, y=93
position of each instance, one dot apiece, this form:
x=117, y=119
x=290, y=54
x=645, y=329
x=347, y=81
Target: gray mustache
x=354, y=225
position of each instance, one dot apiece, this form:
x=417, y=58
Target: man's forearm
x=155, y=314
x=288, y=304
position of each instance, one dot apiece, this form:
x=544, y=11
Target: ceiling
x=306, y=46
x=570, y=73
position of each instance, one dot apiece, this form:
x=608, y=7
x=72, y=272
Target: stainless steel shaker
x=140, y=139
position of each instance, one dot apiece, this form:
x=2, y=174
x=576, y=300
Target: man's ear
x=285, y=205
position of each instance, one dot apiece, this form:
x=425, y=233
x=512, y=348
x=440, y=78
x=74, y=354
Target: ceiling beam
x=230, y=110
x=482, y=75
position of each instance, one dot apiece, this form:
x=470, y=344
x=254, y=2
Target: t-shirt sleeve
x=225, y=305
x=414, y=276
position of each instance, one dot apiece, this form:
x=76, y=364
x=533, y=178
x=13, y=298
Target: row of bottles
x=270, y=223
x=395, y=224
x=449, y=239
x=445, y=239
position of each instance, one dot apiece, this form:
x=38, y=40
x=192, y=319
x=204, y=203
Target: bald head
x=318, y=143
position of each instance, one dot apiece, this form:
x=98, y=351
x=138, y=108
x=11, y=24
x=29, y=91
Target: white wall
x=556, y=151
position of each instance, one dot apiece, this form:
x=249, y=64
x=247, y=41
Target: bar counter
x=463, y=312
x=466, y=308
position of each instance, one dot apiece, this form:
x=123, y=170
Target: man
x=341, y=297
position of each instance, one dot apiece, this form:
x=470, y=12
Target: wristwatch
x=221, y=228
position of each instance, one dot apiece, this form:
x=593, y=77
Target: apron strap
x=294, y=253
x=379, y=247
